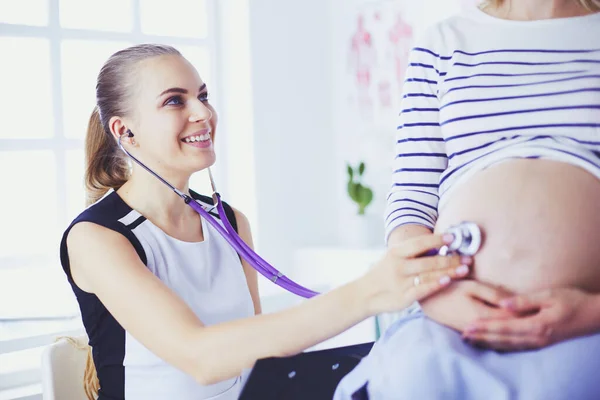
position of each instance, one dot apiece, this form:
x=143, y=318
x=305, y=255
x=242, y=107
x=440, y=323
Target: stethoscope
x=467, y=235
x=228, y=232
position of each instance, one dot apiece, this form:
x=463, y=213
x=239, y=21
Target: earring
x=133, y=143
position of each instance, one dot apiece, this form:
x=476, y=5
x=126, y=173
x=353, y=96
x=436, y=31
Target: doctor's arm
x=103, y=262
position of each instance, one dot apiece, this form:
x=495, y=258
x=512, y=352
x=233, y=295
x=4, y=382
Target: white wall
x=293, y=138
x=297, y=125
x=363, y=133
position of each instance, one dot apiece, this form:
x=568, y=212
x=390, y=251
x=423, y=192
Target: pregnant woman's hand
x=546, y=317
x=405, y=275
x=465, y=302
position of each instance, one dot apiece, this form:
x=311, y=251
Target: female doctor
x=169, y=308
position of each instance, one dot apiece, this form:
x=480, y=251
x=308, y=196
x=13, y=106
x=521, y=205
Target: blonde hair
x=590, y=5
x=106, y=166
x=91, y=385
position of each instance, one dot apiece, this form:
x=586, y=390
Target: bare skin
x=540, y=219
x=541, y=225
x=526, y=209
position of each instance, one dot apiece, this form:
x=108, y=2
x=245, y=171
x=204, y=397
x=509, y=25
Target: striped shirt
x=480, y=90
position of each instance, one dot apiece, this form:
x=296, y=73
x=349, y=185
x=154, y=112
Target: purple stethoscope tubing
x=230, y=235
x=257, y=262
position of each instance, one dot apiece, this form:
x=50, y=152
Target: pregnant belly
x=541, y=224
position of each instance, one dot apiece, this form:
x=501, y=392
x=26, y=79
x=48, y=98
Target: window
x=52, y=51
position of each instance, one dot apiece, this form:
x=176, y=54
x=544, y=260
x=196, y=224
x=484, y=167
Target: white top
x=207, y=276
x=480, y=90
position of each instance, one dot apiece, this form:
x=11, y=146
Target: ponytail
x=91, y=385
x=105, y=168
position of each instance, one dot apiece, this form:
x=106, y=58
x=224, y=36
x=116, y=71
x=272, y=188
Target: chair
x=63, y=367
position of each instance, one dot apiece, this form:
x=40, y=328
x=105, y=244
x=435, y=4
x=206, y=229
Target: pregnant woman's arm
x=420, y=156
x=412, y=202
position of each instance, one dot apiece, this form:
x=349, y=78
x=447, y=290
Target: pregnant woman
x=500, y=125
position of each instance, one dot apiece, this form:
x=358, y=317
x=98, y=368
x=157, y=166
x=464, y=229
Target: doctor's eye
x=174, y=101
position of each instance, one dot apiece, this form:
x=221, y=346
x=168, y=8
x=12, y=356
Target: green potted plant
x=359, y=193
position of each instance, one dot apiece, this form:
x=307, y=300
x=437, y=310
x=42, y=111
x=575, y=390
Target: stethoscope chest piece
x=467, y=240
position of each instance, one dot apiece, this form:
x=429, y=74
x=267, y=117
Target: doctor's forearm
x=226, y=349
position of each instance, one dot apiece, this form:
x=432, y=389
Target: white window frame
x=59, y=144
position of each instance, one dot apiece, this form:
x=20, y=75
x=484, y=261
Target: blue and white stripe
x=477, y=94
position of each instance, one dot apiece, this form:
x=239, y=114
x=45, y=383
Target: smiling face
x=172, y=121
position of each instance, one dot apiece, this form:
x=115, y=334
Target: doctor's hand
x=546, y=317
x=465, y=302
x=406, y=274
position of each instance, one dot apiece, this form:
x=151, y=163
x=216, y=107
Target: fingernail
x=462, y=270
x=467, y=260
x=444, y=280
x=506, y=303
x=448, y=238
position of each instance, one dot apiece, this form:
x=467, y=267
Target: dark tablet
x=313, y=375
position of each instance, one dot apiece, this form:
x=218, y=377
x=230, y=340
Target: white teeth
x=199, y=138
